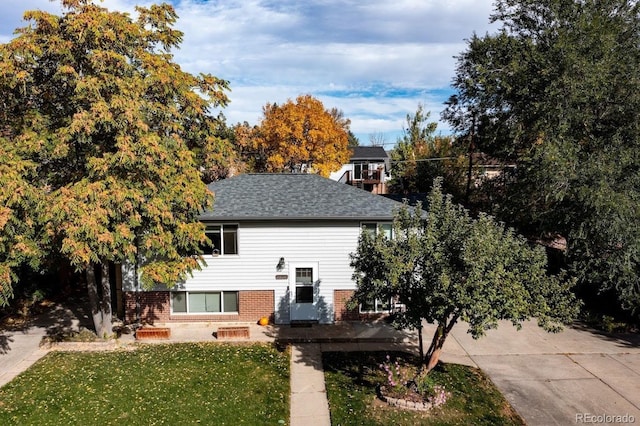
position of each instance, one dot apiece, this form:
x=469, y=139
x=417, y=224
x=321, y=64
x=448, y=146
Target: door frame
x=303, y=311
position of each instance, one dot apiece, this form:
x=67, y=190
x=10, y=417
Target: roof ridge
x=289, y=195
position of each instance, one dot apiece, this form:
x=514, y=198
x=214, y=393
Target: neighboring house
x=368, y=169
x=281, y=246
x=488, y=168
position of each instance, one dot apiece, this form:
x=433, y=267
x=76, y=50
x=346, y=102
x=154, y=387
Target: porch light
x=280, y=265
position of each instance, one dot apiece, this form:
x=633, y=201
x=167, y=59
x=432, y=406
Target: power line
x=423, y=159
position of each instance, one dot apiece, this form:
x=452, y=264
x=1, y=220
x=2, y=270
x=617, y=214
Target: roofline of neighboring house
x=380, y=159
x=293, y=218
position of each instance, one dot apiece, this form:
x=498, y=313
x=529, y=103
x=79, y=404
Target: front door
x=304, y=294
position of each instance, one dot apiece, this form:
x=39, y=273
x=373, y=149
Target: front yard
x=157, y=384
x=351, y=380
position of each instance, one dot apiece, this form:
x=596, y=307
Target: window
x=375, y=306
x=200, y=302
x=374, y=227
x=357, y=171
x=223, y=240
x=304, y=285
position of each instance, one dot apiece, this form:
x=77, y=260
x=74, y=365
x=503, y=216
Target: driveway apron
x=572, y=377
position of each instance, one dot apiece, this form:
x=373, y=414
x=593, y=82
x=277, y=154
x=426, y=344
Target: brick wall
x=255, y=304
x=155, y=307
x=340, y=299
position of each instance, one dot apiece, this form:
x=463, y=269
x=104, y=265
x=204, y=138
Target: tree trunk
x=105, y=302
x=472, y=147
x=434, y=358
x=100, y=299
x=94, y=303
x=420, y=343
x=433, y=355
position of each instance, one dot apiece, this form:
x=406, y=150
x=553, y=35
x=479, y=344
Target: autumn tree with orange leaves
x=299, y=137
x=103, y=139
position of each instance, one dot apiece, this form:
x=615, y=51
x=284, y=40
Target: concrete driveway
x=573, y=377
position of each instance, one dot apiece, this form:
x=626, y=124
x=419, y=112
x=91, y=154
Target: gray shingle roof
x=369, y=153
x=294, y=197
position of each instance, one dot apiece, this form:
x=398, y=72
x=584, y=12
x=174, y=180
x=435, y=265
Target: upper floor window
x=223, y=238
x=375, y=227
x=365, y=171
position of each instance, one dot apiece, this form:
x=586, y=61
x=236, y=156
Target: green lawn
x=156, y=384
x=351, y=379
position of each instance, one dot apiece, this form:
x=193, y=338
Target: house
x=281, y=246
x=368, y=169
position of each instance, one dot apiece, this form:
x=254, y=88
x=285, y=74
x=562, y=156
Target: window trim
x=315, y=280
x=378, y=225
x=304, y=285
x=376, y=310
x=221, y=292
x=209, y=228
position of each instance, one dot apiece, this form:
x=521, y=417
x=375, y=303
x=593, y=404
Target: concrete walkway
x=309, y=405
x=20, y=345
x=19, y=349
x=576, y=376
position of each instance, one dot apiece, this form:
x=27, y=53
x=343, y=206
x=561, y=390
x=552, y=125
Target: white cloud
x=374, y=59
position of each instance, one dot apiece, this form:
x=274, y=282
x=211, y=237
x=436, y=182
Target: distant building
x=368, y=169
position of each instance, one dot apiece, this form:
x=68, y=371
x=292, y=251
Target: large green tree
x=446, y=266
x=556, y=92
x=420, y=156
x=114, y=135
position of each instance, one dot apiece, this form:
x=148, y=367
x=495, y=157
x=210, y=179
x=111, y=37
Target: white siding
x=260, y=247
x=337, y=175
x=349, y=167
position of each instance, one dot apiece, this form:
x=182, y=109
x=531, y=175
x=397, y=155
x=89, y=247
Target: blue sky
x=376, y=60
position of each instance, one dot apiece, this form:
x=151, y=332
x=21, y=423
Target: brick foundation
x=155, y=307
x=343, y=313
x=255, y=304
x=340, y=299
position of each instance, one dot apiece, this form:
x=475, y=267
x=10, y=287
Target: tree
x=115, y=135
x=353, y=140
x=377, y=139
x=557, y=93
x=445, y=267
x=301, y=136
x=251, y=158
x=419, y=157
x=21, y=205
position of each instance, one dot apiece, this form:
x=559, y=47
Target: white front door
x=304, y=293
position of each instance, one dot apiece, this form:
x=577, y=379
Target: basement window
x=204, y=302
x=376, y=306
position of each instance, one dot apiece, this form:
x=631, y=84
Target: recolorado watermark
x=605, y=418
